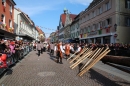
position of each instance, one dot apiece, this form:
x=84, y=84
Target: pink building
x=106, y=21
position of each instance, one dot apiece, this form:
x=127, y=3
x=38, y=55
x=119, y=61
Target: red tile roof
x=63, y=18
x=39, y=30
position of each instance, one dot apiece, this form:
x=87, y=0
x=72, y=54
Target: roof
x=12, y=1
x=63, y=18
x=39, y=30
x=27, y=17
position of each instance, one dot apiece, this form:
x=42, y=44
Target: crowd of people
x=64, y=49
x=13, y=50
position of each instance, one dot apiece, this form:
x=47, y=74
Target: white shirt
x=78, y=50
x=61, y=48
x=71, y=48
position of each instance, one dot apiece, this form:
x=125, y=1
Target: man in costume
x=59, y=50
x=67, y=50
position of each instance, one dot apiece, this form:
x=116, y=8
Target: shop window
x=127, y=4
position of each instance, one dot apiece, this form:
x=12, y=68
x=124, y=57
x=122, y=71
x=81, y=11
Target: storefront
x=6, y=35
x=25, y=38
x=107, y=39
x=98, y=40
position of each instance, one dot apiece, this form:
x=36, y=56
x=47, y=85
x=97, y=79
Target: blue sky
x=46, y=13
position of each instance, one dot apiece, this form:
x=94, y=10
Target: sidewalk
x=43, y=71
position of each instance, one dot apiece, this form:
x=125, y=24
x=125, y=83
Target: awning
x=7, y=34
x=25, y=36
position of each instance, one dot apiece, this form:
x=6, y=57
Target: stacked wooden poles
x=93, y=62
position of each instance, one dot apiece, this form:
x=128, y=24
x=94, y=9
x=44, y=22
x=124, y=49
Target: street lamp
x=115, y=26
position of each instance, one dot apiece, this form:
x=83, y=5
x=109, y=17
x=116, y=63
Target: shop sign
x=92, y=33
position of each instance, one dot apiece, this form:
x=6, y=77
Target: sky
x=46, y=13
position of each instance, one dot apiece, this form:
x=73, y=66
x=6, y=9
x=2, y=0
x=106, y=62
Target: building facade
x=7, y=19
x=24, y=26
x=75, y=30
x=64, y=26
x=106, y=21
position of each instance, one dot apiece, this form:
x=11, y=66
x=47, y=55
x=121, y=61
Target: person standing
x=67, y=50
x=39, y=47
x=60, y=51
x=52, y=48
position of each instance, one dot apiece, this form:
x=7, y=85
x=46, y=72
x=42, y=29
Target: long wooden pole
x=83, y=58
x=93, y=57
x=79, y=55
x=80, y=60
x=94, y=62
x=71, y=56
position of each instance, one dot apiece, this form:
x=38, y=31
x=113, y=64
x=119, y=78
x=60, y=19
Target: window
x=3, y=18
x=108, y=22
x=127, y=21
x=11, y=8
x=88, y=17
x=94, y=27
x=127, y=4
x=4, y=2
x=100, y=10
x=94, y=13
x=107, y=6
x=89, y=29
x=98, y=27
x=10, y=23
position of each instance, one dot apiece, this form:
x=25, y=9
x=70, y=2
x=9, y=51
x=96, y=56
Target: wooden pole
x=83, y=58
x=75, y=53
x=80, y=60
x=71, y=56
x=93, y=57
x=80, y=54
x=94, y=62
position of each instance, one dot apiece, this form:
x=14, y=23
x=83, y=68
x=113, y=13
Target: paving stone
x=46, y=72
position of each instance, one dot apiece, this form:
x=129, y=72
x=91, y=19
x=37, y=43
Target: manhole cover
x=43, y=74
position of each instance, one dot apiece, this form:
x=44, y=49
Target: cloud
x=83, y=2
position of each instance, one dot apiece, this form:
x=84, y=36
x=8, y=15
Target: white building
x=24, y=26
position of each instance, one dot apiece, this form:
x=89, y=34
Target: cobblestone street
x=44, y=71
